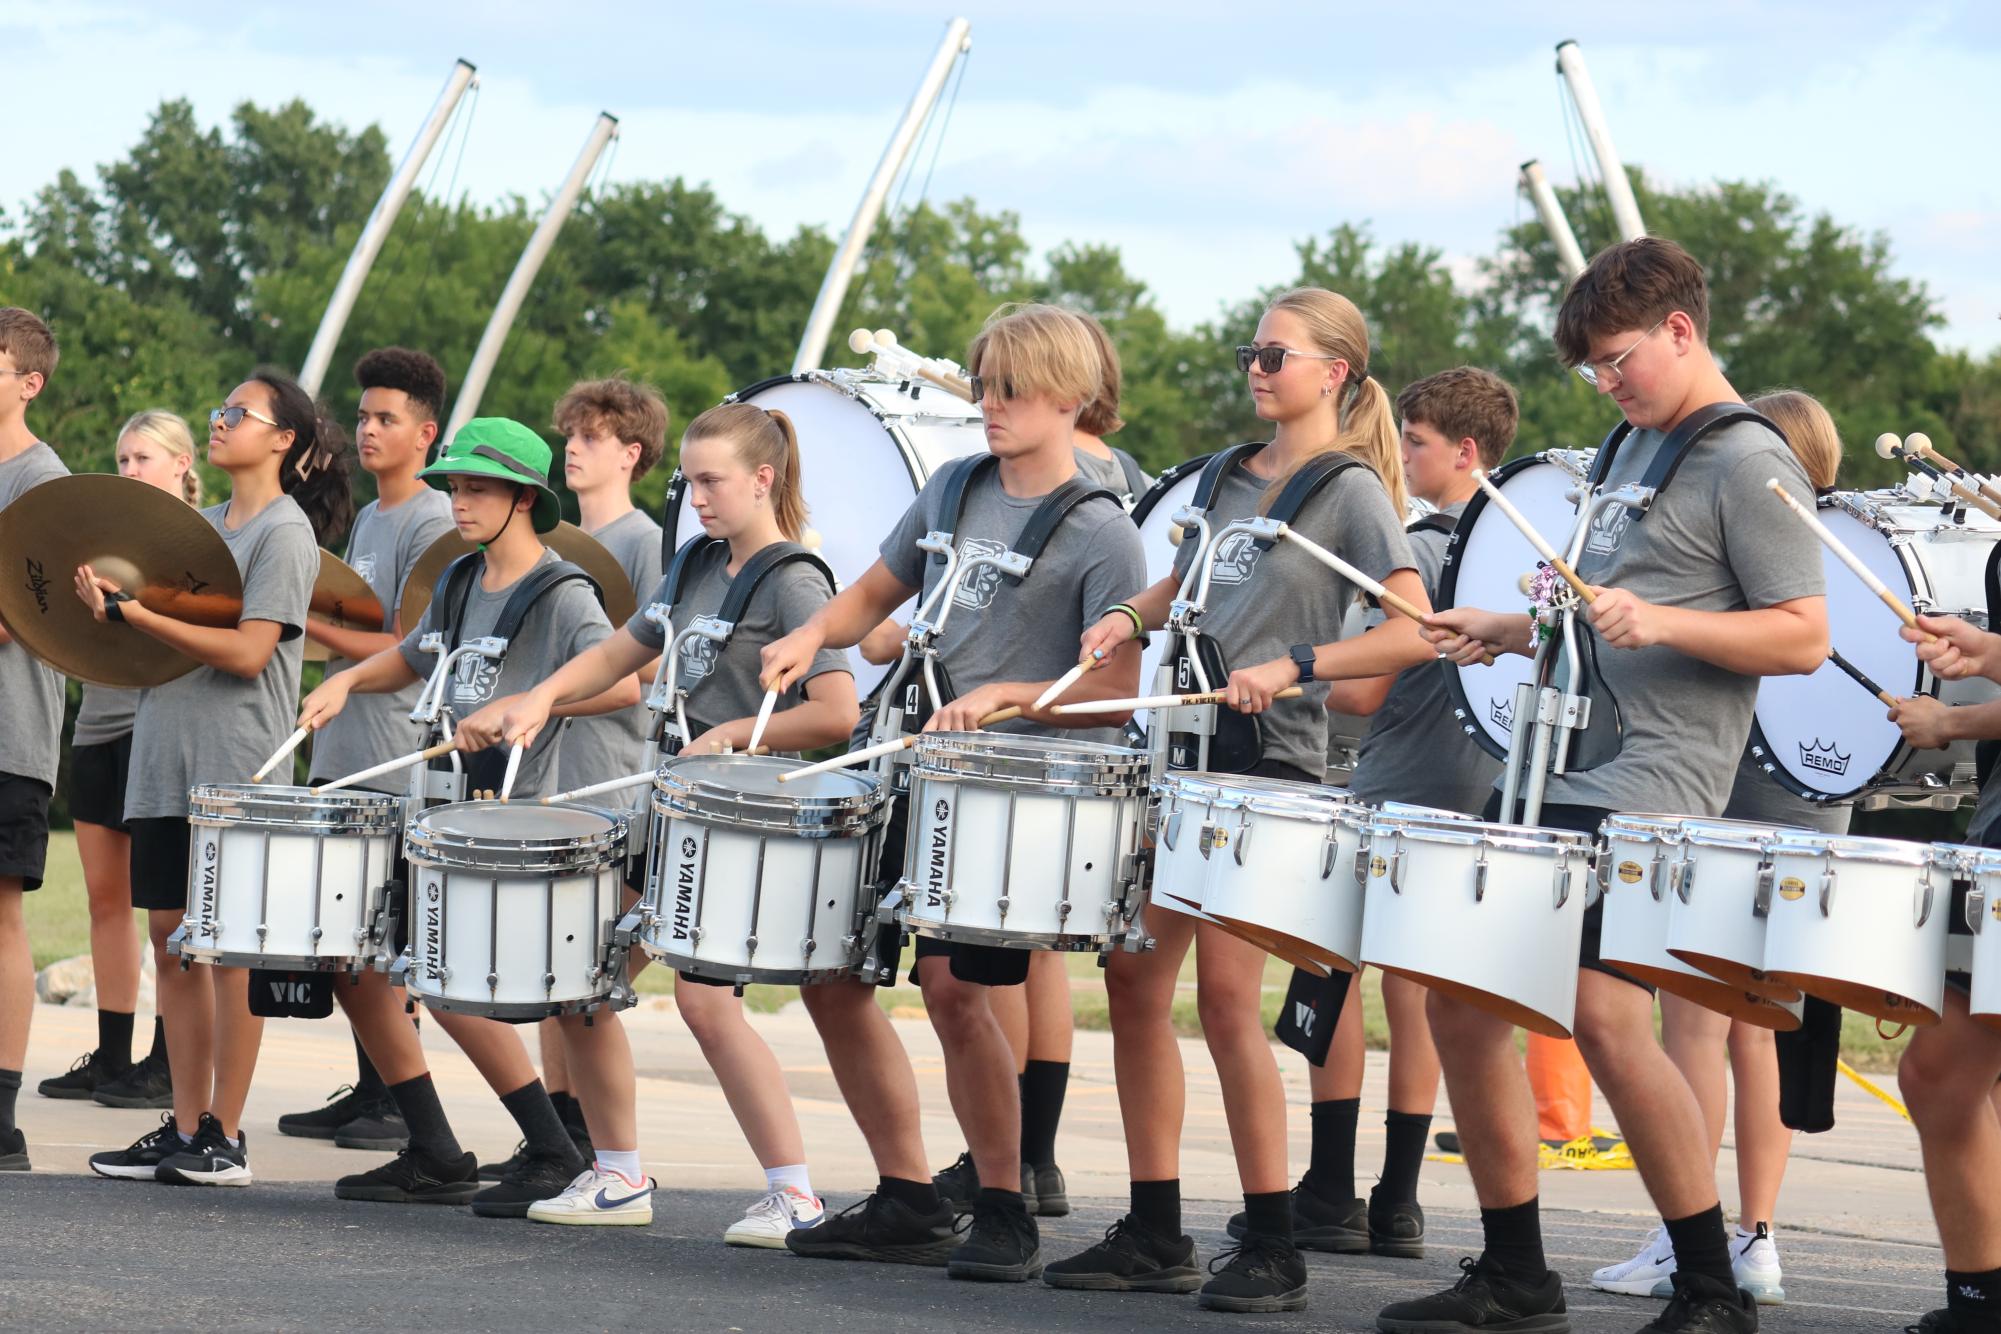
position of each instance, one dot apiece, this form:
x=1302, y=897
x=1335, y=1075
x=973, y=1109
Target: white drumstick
x=1159, y=702
x=387, y=767
x=1068, y=679
x=1542, y=547
x=881, y=748
x=1401, y=605
x=763, y=719
x=291, y=744
x=599, y=789
x=513, y=768
x=1847, y=557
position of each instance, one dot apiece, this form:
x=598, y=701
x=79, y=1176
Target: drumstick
x=867, y=753
x=1847, y=557
x=291, y=744
x=599, y=789
x=513, y=768
x=1395, y=602
x=1068, y=679
x=1543, y=548
x=1860, y=677
x=388, y=767
x=1161, y=702
x=1889, y=447
x=1920, y=443
x=763, y=718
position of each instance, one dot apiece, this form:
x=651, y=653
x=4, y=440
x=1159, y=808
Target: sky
x=1204, y=141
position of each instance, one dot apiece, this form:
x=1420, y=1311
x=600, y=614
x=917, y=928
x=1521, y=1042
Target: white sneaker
x=1754, y=1258
x=1645, y=1275
x=602, y=1199
x=768, y=1222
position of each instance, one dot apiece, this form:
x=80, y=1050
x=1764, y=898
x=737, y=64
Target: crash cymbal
x=568, y=541
x=341, y=598
x=149, y=542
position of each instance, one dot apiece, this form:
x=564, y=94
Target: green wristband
x=1139, y=626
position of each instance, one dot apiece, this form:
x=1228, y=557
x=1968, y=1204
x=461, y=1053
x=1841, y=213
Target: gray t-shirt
x=563, y=623
x=31, y=692
x=383, y=548
x=1413, y=751
x=104, y=714
x=723, y=687
x=1756, y=795
x=612, y=745
x=1715, y=540
x=1261, y=603
x=1117, y=474
x=210, y=726
x=1000, y=631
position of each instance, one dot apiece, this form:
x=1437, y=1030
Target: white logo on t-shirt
x=1608, y=529
x=473, y=680
x=698, y=659
x=1236, y=559
x=976, y=591
x=365, y=567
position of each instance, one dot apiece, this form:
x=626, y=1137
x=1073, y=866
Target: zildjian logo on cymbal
x=38, y=584
x=192, y=584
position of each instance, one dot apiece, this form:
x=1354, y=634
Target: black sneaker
x=880, y=1229
x=959, y=1184
x=512, y=1163
x=1484, y=1299
x=1703, y=1305
x=1002, y=1247
x=1396, y=1228
x=13, y=1150
x=1258, y=1274
x=1945, y=1320
x=379, y=1126
x=147, y=1085
x=1319, y=1224
x=343, y=1105
x=91, y=1071
x=539, y=1177
x=211, y=1160
x=1044, y=1191
x=1129, y=1259
x=140, y=1162
x=414, y=1177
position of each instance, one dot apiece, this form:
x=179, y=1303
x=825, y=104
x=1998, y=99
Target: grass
x=59, y=927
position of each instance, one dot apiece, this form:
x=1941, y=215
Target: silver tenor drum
x=1022, y=842
x=1722, y=904
x=1282, y=870
x=280, y=878
x=1187, y=802
x=1983, y=905
x=514, y=909
x=752, y=881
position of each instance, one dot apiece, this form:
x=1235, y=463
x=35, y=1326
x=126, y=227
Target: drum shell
x=1283, y=872
x=1508, y=946
x=1983, y=918
x=280, y=878
x=1180, y=868
x=1717, y=923
x=1861, y=923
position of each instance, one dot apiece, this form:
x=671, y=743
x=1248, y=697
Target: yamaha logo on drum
x=688, y=846
x=431, y=891
x=1825, y=758
x=936, y=854
x=1791, y=888
x=210, y=849
x=941, y=809
x=434, y=928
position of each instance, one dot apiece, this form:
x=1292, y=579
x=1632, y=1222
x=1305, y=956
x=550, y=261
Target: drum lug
x=750, y=946
x=1761, y=902
x=1976, y=905
x=695, y=934
x=1362, y=863
x=316, y=933
x=1396, y=871
x=1923, y=901
x=1826, y=891
x=1681, y=878
x=807, y=946
x=1561, y=891
x=1653, y=875
x=548, y=981
x=1327, y=857
x=492, y=983
x=1205, y=840
x=1171, y=831
x=1243, y=836
x=1480, y=877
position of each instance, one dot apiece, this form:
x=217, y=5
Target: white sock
x=794, y=1175
x=625, y=1162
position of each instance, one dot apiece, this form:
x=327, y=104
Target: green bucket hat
x=503, y=448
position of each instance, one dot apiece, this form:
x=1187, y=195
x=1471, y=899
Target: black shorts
x=97, y=782
x=24, y=829
x=159, y=862
x=1583, y=820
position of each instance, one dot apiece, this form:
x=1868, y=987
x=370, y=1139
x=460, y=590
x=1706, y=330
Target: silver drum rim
x=681, y=795
x=1043, y=763
x=297, y=809
x=424, y=845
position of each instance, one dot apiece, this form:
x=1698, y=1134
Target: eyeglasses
x=1271, y=360
x=1596, y=373
x=979, y=385
x=231, y=418
x=23, y=374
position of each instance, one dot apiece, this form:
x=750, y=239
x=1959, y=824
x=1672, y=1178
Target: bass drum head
x=1171, y=491
x=866, y=447
x=1483, y=567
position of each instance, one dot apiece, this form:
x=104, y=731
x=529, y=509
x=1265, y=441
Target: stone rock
x=65, y=978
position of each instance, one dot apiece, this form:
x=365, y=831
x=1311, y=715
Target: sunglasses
x=980, y=385
x=231, y=418
x=1271, y=360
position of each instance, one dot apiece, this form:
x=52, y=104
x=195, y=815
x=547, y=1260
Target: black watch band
x=113, y=611
x=1302, y=658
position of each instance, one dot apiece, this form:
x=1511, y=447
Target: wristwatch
x=1302, y=657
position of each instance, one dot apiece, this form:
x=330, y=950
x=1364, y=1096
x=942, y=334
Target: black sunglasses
x=980, y=385
x=232, y=417
x=1271, y=360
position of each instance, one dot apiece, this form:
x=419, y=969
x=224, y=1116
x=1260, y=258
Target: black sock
x=918, y=1196
x=417, y=1099
x=1043, y=1085
x=10, y=1085
x=569, y=1111
x=1330, y=1173
x=1701, y=1246
x=1157, y=1207
x=158, y=1054
x=1010, y=1200
x=531, y=1109
x=1514, y=1240
x=368, y=1083
x=1975, y=1294
x=114, y=1038
x=1403, y=1153
x=1269, y=1215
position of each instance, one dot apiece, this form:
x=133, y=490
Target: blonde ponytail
x=761, y=438
x=1365, y=420
x=788, y=495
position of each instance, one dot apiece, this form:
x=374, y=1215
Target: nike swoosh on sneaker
x=604, y=1200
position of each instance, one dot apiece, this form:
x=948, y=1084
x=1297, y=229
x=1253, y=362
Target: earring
x=1325, y=392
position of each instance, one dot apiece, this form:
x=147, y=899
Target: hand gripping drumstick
x=388, y=767
x=513, y=768
x=867, y=753
x=1161, y=702
x=1068, y=679
x=1543, y=548
x=291, y=744
x=1847, y=557
x=1393, y=601
x=763, y=718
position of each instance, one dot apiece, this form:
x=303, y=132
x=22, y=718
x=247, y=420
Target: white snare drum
x=1643, y=878
x=1489, y=914
x=280, y=878
x=1180, y=849
x=867, y=443
x=750, y=880
x=1718, y=921
x=1023, y=842
x=1861, y=922
x=1819, y=735
x=1282, y=872
x=1983, y=904
x=514, y=908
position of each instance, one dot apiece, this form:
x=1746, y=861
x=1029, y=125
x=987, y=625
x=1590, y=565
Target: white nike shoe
x=601, y=1199
x=1754, y=1258
x=768, y=1222
x=1645, y=1275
